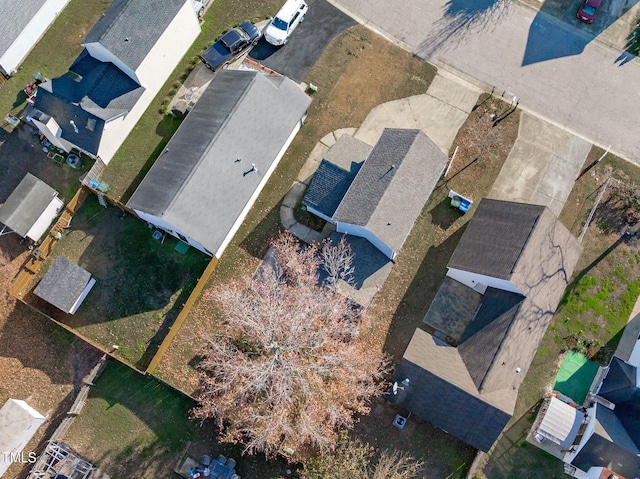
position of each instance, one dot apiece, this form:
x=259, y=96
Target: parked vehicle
x=199, y=6
x=588, y=10
x=285, y=22
x=231, y=45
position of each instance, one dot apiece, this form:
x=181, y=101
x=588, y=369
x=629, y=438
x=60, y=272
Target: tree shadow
x=459, y=18
x=556, y=32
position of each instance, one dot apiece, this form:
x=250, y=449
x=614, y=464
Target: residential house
x=600, y=439
x=30, y=209
x=22, y=25
x=209, y=175
x=127, y=57
x=503, y=284
x=378, y=197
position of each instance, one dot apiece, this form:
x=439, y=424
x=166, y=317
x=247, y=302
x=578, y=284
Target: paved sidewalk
x=543, y=165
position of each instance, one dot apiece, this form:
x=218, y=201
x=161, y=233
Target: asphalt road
x=557, y=71
x=322, y=22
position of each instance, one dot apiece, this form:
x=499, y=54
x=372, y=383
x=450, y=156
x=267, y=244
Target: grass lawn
x=593, y=313
x=141, y=283
x=135, y=426
x=154, y=130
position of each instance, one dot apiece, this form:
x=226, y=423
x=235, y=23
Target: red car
x=588, y=10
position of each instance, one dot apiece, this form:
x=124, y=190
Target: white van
x=285, y=22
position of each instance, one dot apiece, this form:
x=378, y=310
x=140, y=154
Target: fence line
x=182, y=316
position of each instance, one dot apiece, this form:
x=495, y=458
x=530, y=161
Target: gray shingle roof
x=335, y=174
x=63, y=284
x=393, y=185
x=64, y=112
x=609, y=446
x=196, y=184
x=619, y=387
x=26, y=204
x=328, y=186
x=103, y=91
x=14, y=17
x=130, y=28
x=499, y=333
x=440, y=392
x=496, y=237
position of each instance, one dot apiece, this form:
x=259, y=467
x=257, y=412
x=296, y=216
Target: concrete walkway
x=543, y=165
x=440, y=113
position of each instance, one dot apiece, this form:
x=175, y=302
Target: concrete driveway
x=321, y=24
x=439, y=113
x=556, y=71
x=543, y=165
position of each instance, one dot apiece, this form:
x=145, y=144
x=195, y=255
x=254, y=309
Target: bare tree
x=356, y=460
x=284, y=368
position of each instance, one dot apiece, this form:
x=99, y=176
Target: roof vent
x=126, y=39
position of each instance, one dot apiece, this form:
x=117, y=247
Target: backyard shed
x=22, y=25
x=18, y=423
x=30, y=208
x=65, y=285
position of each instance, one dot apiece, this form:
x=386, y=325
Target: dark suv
x=231, y=45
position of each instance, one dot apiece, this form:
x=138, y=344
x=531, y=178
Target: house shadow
x=165, y=129
x=418, y=297
x=460, y=18
x=556, y=32
x=257, y=241
x=444, y=215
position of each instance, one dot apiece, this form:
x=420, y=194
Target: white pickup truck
x=199, y=6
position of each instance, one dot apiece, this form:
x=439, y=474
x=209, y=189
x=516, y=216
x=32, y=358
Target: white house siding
x=361, y=231
x=37, y=26
x=97, y=51
x=319, y=214
x=163, y=225
x=153, y=72
x=473, y=280
x=45, y=220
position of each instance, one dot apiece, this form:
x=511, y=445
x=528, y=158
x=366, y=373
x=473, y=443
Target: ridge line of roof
x=110, y=25
x=223, y=125
x=526, y=242
x=346, y=193
x=500, y=347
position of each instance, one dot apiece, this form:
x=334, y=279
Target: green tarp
x=575, y=376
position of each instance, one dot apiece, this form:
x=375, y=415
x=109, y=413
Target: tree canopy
x=285, y=368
